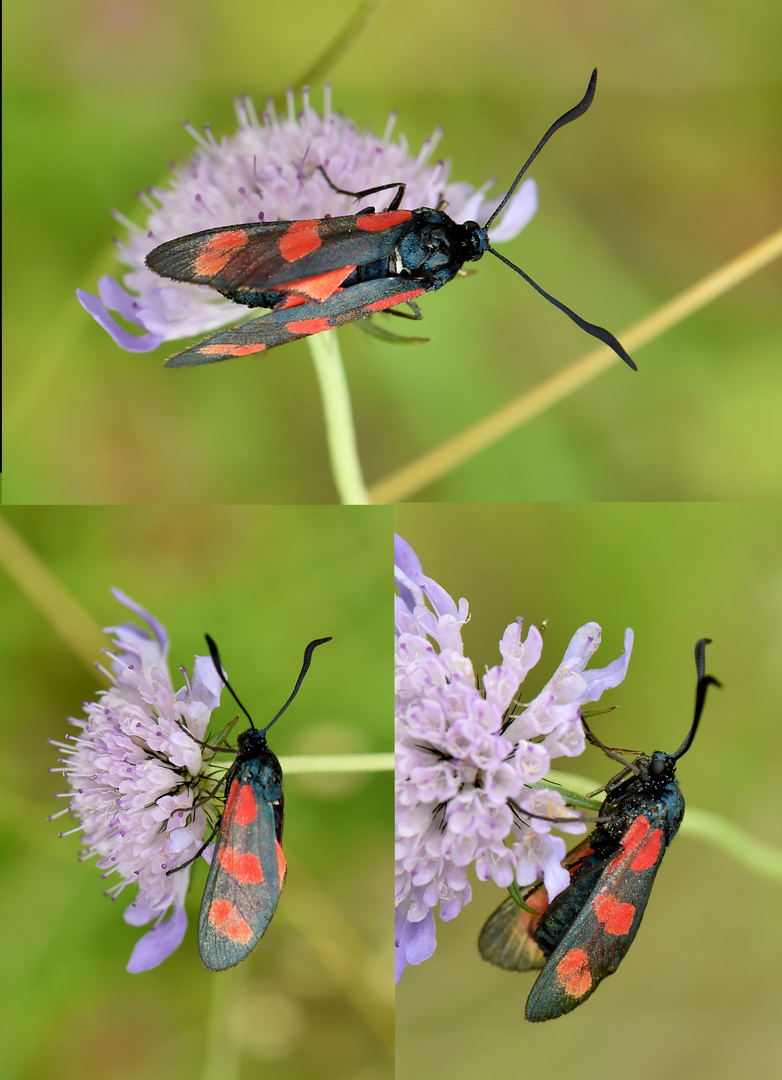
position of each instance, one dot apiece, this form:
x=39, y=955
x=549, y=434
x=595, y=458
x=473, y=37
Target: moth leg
x=395, y=201
x=414, y=313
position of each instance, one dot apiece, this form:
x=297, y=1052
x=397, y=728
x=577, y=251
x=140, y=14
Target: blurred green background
x=673, y=172
x=316, y=998
x=698, y=995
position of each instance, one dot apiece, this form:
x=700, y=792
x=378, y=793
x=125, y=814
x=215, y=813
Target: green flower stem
x=328, y=763
x=331, y=763
x=742, y=846
x=338, y=415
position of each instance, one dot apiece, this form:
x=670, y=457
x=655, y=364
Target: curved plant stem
x=46, y=592
x=366, y=11
x=338, y=415
x=324, y=763
x=746, y=849
x=462, y=447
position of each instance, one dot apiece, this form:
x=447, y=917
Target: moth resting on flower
x=467, y=763
x=315, y=270
x=582, y=935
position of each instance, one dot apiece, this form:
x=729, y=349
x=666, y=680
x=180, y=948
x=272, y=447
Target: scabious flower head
x=464, y=767
x=134, y=774
x=267, y=171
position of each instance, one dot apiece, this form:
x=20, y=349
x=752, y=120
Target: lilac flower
x=267, y=171
x=463, y=794
x=134, y=773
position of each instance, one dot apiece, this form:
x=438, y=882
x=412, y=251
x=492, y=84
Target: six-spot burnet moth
x=583, y=934
x=247, y=872
x=322, y=273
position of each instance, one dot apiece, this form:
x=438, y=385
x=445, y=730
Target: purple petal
x=581, y=647
x=600, y=679
x=113, y=297
x=442, y=602
x=139, y=913
x=156, y=627
x=159, y=943
x=555, y=877
x=518, y=213
x=207, y=684
x=405, y=558
x=409, y=563
x=415, y=942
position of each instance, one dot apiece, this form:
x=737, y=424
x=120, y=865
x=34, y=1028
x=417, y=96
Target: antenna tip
x=589, y=96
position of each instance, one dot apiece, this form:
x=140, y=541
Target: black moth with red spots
x=318, y=274
x=584, y=933
x=247, y=872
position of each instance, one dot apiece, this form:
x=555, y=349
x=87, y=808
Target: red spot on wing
x=631, y=840
x=246, y=806
x=220, y=911
x=649, y=851
x=227, y=921
x=299, y=240
x=217, y=251
x=525, y=923
x=291, y=301
x=636, y=834
x=617, y=918
x=242, y=865
x=282, y=866
x=309, y=326
x=573, y=973
x=390, y=301
x=537, y=899
x=321, y=286
x=231, y=350
x=379, y=222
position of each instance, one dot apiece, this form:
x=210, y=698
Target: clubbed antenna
x=304, y=668
x=703, y=684
x=214, y=653
x=592, y=329
x=566, y=118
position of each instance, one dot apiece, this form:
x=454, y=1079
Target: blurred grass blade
x=436, y=463
x=50, y=597
x=353, y=29
x=735, y=842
